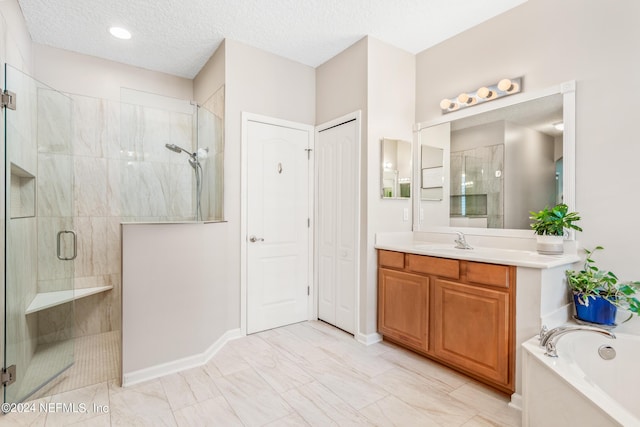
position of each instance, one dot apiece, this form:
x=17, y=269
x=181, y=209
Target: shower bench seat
x=46, y=300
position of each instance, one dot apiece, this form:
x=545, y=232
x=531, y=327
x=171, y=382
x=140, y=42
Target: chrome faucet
x=461, y=242
x=549, y=338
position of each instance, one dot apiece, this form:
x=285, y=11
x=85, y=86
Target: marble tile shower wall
x=122, y=172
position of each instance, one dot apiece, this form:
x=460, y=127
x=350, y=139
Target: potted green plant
x=549, y=226
x=598, y=293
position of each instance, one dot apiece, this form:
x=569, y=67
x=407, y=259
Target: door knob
x=254, y=239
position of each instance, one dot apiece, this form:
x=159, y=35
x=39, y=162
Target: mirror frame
x=568, y=92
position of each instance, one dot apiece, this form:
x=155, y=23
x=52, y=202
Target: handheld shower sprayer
x=194, y=162
x=177, y=149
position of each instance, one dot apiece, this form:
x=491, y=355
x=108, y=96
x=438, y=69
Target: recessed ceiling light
x=120, y=33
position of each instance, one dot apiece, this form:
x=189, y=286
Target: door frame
x=356, y=115
x=244, y=195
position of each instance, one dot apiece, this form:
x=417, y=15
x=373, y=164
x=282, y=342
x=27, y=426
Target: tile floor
x=304, y=374
x=96, y=359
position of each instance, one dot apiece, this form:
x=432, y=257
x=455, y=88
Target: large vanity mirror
x=395, y=173
x=500, y=161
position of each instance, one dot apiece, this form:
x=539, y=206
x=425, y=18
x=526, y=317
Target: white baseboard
x=174, y=366
x=516, y=401
x=368, y=339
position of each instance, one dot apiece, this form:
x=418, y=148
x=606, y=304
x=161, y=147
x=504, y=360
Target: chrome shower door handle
x=59, y=245
x=254, y=239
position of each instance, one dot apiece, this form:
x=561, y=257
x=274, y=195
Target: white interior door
x=337, y=223
x=278, y=225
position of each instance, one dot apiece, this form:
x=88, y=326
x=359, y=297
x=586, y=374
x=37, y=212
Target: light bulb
x=506, y=85
x=446, y=104
x=485, y=93
x=464, y=98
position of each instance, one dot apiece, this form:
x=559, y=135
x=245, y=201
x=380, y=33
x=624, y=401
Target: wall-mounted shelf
x=46, y=300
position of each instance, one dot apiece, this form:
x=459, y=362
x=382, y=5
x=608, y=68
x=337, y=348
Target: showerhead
x=177, y=149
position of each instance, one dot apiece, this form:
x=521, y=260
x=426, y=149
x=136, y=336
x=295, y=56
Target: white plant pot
x=550, y=245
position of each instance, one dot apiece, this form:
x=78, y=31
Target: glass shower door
x=40, y=244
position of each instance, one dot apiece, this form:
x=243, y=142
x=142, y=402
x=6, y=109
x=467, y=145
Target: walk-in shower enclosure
x=75, y=168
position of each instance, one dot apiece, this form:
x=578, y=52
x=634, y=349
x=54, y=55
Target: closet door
x=337, y=223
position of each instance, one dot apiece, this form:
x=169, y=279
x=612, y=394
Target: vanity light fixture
x=120, y=33
x=486, y=93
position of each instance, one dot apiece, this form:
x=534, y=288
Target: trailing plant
x=592, y=282
x=553, y=222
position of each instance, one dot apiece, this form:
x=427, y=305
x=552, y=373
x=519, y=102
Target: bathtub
x=579, y=388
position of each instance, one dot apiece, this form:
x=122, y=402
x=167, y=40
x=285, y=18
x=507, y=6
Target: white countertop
x=404, y=242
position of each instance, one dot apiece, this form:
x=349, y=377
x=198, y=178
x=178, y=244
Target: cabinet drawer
x=449, y=268
x=488, y=274
x=391, y=259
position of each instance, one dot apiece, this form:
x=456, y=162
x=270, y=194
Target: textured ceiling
x=179, y=36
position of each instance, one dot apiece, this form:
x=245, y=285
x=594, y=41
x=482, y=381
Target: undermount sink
x=445, y=248
x=438, y=247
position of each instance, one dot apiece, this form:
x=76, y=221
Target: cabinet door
x=403, y=301
x=471, y=329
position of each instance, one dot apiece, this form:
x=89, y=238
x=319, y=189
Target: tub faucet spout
x=549, y=338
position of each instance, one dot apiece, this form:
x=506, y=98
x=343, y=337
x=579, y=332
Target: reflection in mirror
x=432, y=173
x=499, y=165
x=396, y=169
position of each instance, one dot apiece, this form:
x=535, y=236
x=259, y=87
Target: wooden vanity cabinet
x=403, y=307
x=461, y=313
x=471, y=329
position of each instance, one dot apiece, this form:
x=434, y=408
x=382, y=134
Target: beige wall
x=75, y=73
x=341, y=84
x=211, y=77
x=341, y=88
x=391, y=111
x=283, y=89
x=548, y=42
x=173, y=316
x=379, y=80
x=528, y=164
x=545, y=41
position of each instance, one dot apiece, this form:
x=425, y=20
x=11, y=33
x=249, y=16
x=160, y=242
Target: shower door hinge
x=308, y=150
x=8, y=100
x=308, y=291
x=8, y=375
x=308, y=222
